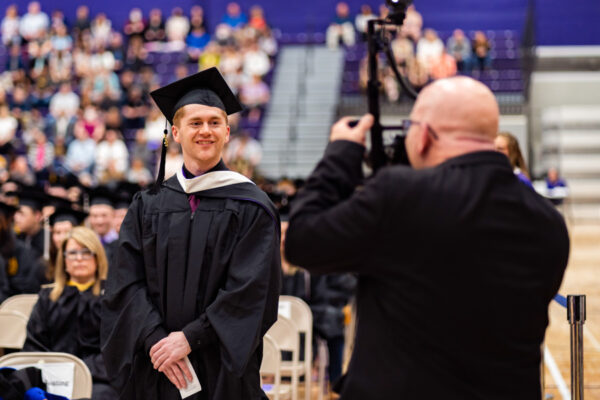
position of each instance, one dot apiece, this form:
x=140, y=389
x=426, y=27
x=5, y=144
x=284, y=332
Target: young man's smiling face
x=202, y=132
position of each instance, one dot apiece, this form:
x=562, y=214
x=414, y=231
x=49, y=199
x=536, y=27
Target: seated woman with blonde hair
x=509, y=145
x=66, y=317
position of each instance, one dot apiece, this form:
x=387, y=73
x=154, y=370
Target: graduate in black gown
x=66, y=317
x=21, y=270
x=198, y=265
x=29, y=218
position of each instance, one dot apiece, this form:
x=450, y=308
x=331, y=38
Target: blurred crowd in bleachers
x=74, y=94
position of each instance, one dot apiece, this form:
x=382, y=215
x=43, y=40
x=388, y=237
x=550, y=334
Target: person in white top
x=35, y=23
x=112, y=158
x=64, y=106
x=177, y=26
x=429, y=48
x=256, y=61
x=8, y=128
x=9, y=28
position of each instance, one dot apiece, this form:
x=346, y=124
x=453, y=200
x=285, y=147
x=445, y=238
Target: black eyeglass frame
x=406, y=123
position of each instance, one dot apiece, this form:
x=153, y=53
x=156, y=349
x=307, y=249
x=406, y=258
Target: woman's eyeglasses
x=85, y=254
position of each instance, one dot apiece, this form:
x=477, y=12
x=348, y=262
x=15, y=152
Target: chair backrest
x=301, y=314
x=22, y=302
x=302, y=317
x=271, y=364
x=271, y=361
x=82, y=378
x=286, y=335
x=14, y=329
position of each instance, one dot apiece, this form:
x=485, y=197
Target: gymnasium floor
x=582, y=277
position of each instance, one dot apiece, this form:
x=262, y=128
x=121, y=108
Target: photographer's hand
x=343, y=131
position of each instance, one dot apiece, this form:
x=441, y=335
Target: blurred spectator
x=57, y=19
x=257, y=19
x=444, y=66
x=117, y=49
x=553, y=179
x=362, y=19
x=64, y=106
x=255, y=94
x=268, y=43
x=509, y=145
x=8, y=129
x=197, y=19
x=102, y=60
x=481, y=51
x=113, y=118
x=105, y=87
x=81, y=152
x=429, y=48
x=82, y=21
x=148, y=80
x=135, y=25
x=40, y=155
x=21, y=102
x=92, y=123
x=413, y=24
x=20, y=171
x=155, y=31
x=35, y=22
x=153, y=129
x=210, y=57
x=177, y=28
x=140, y=149
x=417, y=74
x=9, y=28
x=14, y=61
x=196, y=41
x=138, y=173
x=403, y=50
x=61, y=41
x=135, y=109
x=101, y=28
x=173, y=160
x=112, y=158
x=60, y=66
x=460, y=48
x=256, y=61
x=243, y=147
x=234, y=17
x=341, y=28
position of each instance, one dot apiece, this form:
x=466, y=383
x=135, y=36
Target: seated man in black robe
x=21, y=270
x=197, y=271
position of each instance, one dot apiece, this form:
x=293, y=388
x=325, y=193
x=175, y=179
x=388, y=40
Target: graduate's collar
x=216, y=177
x=82, y=287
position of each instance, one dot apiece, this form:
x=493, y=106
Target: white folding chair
x=271, y=365
x=22, y=302
x=301, y=316
x=285, y=333
x=14, y=329
x=82, y=378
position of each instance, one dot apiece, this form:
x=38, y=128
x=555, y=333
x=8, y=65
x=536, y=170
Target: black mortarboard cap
x=102, y=195
x=7, y=209
x=30, y=197
x=124, y=193
x=206, y=87
x=62, y=213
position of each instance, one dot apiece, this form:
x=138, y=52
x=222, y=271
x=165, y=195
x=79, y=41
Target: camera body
x=397, y=10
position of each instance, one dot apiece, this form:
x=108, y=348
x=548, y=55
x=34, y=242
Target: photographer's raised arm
x=333, y=225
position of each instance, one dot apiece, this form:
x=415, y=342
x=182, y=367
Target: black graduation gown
x=30, y=272
x=71, y=325
x=213, y=274
x=36, y=242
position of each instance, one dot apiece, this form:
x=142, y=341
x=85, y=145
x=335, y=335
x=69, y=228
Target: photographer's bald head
x=451, y=117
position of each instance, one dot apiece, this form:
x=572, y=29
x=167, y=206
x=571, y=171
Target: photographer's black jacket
x=457, y=265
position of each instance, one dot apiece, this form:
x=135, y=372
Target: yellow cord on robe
x=82, y=287
x=13, y=266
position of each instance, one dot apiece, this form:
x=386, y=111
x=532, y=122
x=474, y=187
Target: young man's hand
x=167, y=357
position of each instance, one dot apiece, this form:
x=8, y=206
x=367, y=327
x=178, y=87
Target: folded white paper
x=193, y=386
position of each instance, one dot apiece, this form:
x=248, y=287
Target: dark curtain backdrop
x=559, y=22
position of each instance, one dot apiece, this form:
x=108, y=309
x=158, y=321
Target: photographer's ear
x=424, y=140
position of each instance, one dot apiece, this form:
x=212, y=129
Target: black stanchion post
x=576, y=317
